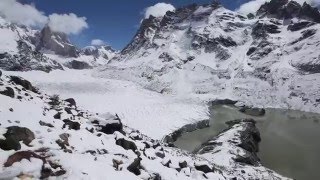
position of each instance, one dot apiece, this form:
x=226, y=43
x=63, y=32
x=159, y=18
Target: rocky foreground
x=43, y=136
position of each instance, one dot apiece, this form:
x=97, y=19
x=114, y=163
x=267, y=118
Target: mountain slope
x=43, y=136
x=269, y=60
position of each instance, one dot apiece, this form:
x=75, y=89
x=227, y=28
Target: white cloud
x=158, y=10
x=254, y=5
x=67, y=23
x=28, y=15
x=97, y=42
x=24, y=14
x=250, y=7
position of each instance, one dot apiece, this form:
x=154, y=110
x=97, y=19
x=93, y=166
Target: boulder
x=8, y=92
x=71, y=124
x=223, y=102
x=109, y=125
x=253, y=111
x=24, y=83
x=10, y=144
x=126, y=144
x=14, y=135
x=71, y=102
x=45, y=124
x=183, y=164
x=74, y=64
x=203, y=167
x=135, y=166
x=248, y=160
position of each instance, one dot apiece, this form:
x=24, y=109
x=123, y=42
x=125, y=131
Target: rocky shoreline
x=172, y=137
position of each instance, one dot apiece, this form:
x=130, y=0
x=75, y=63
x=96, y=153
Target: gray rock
x=253, y=111
x=8, y=92
x=14, y=135
x=74, y=64
x=24, y=83
x=56, y=42
x=135, y=166
x=204, y=168
x=71, y=124
x=71, y=102
x=126, y=144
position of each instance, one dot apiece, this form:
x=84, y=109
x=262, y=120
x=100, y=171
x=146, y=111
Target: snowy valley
x=99, y=113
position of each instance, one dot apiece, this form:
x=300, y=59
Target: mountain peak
x=285, y=9
x=57, y=42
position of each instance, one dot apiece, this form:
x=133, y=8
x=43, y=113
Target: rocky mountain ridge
x=215, y=51
x=24, y=49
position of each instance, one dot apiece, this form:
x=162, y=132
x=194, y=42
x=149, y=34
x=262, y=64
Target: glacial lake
x=290, y=139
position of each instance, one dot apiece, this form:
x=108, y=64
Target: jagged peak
x=287, y=9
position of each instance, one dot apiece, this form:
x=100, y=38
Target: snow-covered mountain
x=23, y=49
x=267, y=59
x=18, y=50
x=116, y=119
x=44, y=136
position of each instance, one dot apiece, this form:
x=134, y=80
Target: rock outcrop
x=56, y=42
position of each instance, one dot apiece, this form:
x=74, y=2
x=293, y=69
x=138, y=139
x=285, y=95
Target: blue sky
x=114, y=21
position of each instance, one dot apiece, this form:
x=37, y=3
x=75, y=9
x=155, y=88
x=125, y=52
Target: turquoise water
x=290, y=139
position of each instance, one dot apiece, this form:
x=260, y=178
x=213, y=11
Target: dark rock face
x=74, y=64
x=56, y=42
x=8, y=92
x=217, y=45
x=307, y=67
x=261, y=30
x=148, y=26
x=0, y=73
x=305, y=34
x=126, y=144
x=24, y=83
x=253, y=111
x=309, y=12
x=285, y=9
x=14, y=135
x=300, y=25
